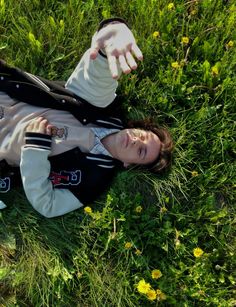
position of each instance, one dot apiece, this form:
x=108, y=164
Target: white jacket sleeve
x=35, y=169
x=2, y=205
x=92, y=81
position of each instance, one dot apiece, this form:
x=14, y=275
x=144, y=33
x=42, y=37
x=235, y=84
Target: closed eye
x=142, y=153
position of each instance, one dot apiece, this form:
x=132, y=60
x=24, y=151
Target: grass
x=81, y=259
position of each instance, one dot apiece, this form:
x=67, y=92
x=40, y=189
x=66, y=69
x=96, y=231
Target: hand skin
x=40, y=125
x=120, y=47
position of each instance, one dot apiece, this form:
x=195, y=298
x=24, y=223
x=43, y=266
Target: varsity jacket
x=84, y=175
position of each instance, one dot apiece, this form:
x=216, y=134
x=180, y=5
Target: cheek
x=124, y=155
x=132, y=156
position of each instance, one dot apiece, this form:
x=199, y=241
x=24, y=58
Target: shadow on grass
x=28, y=244
x=59, y=259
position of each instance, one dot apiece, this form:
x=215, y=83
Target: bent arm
x=35, y=170
x=49, y=202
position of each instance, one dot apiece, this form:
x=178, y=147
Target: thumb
x=95, y=46
x=94, y=52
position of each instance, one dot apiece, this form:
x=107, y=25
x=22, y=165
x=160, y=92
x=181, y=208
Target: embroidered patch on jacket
x=65, y=178
x=61, y=133
x=1, y=112
x=5, y=184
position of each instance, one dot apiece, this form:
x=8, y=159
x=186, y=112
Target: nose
x=136, y=140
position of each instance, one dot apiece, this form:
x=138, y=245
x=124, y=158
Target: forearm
x=92, y=81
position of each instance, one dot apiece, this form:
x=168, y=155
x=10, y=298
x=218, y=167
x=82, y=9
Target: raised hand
x=119, y=44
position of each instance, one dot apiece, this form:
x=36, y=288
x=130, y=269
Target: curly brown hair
x=164, y=159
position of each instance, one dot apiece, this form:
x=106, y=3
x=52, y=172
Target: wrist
x=108, y=21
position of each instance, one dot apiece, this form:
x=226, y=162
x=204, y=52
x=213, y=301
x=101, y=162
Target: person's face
x=136, y=146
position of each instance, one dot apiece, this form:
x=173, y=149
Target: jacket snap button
x=63, y=101
x=17, y=86
x=84, y=120
x=2, y=78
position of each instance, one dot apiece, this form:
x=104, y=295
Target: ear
x=126, y=164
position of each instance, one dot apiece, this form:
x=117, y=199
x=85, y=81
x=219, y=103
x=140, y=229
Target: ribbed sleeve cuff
x=105, y=22
x=38, y=140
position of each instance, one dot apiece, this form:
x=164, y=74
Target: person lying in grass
x=65, y=142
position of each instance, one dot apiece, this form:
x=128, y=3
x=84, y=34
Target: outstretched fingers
x=124, y=64
x=137, y=52
x=125, y=60
x=112, y=63
x=130, y=60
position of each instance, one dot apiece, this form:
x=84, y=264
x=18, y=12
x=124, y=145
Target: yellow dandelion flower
x=88, y=210
x=198, y=252
x=79, y=274
x=163, y=209
x=156, y=274
x=128, y=245
x=177, y=243
x=162, y=296
x=171, y=6
x=138, y=252
x=175, y=65
x=185, y=40
x=156, y=34
x=230, y=44
x=215, y=70
x=138, y=209
x=202, y=292
x=151, y=295
x=193, y=12
x=143, y=286
x=158, y=292
x=182, y=63
x=194, y=173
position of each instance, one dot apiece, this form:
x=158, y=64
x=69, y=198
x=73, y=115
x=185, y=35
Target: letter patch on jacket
x=65, y=178
x=5, y=185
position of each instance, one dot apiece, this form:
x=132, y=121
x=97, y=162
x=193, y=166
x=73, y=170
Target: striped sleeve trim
x=38, y=140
